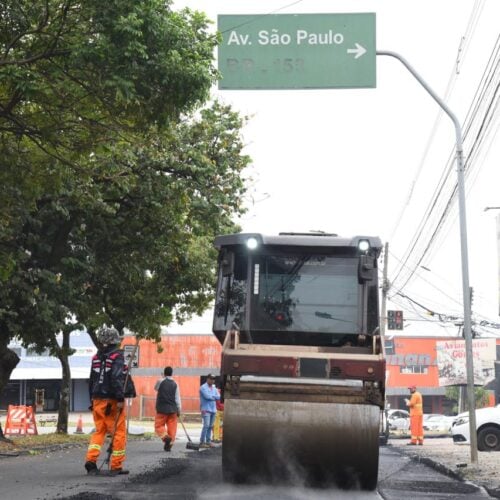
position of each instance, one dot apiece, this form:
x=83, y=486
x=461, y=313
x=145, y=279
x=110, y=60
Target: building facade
x=410, y=361
x=414, y=361
x=191, y=356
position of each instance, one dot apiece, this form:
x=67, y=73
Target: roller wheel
x=232, y=477
x=231, y=471
x=368, y=481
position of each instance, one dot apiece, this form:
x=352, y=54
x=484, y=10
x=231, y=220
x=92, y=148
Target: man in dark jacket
x=106, y=387
x=168, y=408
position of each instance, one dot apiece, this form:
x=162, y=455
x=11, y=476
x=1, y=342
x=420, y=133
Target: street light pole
x=464, y=251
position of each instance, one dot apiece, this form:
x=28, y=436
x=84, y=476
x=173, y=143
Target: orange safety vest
x=415, y=404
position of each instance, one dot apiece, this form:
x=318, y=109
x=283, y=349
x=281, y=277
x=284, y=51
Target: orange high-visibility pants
x=105, y=424
x=166, y=425
x=417, y=429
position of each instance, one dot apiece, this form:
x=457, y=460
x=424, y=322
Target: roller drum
x=302, y=443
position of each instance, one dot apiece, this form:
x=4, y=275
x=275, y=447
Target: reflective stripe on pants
x=105, y=424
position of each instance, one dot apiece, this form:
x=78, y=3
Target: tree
x=114, y=181
x=480, y=393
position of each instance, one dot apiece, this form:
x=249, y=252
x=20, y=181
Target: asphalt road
x=189, y=475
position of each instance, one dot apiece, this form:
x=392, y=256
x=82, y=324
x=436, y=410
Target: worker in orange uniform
x=416, y=416
x=168, y=408
x=106, y=387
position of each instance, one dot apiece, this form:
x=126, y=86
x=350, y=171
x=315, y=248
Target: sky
x=370, y=161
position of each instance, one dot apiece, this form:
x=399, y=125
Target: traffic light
x=394, y=320
x=399, y=320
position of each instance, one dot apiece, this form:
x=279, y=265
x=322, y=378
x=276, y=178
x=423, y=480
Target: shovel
x=189, y=445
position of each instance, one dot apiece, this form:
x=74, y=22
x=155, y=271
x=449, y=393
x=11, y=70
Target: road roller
x=302, y=368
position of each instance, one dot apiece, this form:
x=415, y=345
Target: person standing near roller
x=208, y=396
x=415, y=404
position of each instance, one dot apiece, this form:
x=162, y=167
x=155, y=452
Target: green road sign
x=297, y=51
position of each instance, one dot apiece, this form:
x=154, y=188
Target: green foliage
x=75, y=77
x=482, y=397
x=114, y=178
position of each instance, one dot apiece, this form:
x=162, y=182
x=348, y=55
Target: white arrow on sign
x=359, y=51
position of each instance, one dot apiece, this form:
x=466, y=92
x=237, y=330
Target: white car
x=437, y=425
x=399, y=421
x=487, y=425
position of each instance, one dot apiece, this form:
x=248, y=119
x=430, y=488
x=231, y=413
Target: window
x=414, y=369
x=307, y=293
x=389, y=346
x=231, y=297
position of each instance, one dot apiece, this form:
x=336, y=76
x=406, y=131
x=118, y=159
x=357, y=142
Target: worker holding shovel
x=108, y=375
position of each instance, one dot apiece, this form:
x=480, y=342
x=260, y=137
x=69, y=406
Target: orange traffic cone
x=79, y=425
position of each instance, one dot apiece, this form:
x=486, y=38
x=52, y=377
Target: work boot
x=91, y=468
x=411, y=444
x=167, y=446
x=118, y=472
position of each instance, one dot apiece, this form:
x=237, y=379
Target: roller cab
x=302, y=365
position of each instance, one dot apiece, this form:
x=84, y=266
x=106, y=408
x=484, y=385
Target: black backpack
x=129, y=391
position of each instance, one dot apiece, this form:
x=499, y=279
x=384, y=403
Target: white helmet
x=108, y=335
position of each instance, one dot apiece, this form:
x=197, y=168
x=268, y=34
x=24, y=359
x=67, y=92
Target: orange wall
x=179, y=351
x=196, y=354
x=416, y=346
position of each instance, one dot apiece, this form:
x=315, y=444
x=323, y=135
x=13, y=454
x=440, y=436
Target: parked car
x=429, y=415
x=438, y=425
x=487, y=425
x=399, y=421
x=383, y=436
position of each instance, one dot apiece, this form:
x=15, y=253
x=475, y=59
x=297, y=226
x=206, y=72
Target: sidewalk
x=46, y=424
x=455, y=460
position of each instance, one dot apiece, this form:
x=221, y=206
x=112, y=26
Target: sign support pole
x=464, y=252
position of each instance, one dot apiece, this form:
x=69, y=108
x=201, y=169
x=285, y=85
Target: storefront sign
x=452, y=365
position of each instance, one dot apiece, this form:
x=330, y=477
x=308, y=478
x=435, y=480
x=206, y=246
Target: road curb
x=438, y=466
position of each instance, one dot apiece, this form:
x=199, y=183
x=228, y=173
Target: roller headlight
x=252, y=243
x=363, y=245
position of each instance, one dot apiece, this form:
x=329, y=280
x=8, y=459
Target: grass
x=41, y=441
x=32, y=443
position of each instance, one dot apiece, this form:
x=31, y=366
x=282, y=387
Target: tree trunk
x=63, y=354
x=8, y=361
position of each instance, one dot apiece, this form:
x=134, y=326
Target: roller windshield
x=306, y=293
x=297, y=297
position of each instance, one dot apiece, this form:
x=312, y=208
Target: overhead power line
x=480, y=124
x=461, y=54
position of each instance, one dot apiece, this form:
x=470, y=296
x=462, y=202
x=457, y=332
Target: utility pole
x=385, y=289
x=463, y=249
